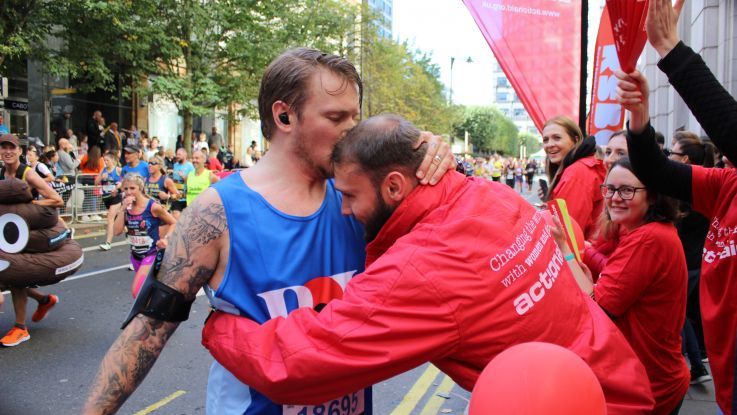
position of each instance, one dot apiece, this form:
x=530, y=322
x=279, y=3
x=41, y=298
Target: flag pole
x=584, y=62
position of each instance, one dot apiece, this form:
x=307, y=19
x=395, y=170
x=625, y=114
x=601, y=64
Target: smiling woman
x=574, y=173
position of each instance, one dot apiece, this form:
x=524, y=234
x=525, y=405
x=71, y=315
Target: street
x=52, y=372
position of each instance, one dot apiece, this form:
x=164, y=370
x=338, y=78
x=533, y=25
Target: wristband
x=569, y=257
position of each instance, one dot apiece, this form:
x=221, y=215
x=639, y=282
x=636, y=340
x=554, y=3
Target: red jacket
x=579, y=186
x=460, y=272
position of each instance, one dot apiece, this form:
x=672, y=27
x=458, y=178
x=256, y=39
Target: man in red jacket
x=455, y=274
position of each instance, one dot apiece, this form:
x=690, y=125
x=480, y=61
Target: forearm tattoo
x=186, y=267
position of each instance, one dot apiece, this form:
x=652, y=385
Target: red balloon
x=537, y=378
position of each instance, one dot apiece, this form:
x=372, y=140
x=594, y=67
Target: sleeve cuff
x=676, y=58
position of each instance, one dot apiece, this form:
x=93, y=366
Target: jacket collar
x=422, y=201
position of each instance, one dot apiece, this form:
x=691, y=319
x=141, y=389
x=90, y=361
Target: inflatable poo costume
x=35, y=246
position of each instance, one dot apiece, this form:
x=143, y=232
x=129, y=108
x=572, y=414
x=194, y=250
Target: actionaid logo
x=316, y=293
x=14, y=236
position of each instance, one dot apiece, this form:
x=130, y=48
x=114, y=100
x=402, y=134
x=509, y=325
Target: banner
x=606, y=116
x=538, y=46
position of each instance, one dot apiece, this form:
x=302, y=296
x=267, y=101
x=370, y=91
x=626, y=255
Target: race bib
x=140, y=241
x=351, y=404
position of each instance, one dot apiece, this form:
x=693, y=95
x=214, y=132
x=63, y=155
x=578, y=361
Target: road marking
x=159, y=404
x=410, y=400
x=435, y=402
x=92, y=248
x=100, y=271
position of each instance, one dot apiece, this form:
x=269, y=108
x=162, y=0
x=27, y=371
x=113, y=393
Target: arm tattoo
x=189, y=263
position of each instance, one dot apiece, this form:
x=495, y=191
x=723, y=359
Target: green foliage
x=400, y=80
x=530, y=141
x=489, y=130
x=24, y=26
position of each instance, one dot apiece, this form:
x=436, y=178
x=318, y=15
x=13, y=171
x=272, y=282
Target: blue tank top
x=278, y=263
x=108, y=184
x=152, y=189
x=143, y=231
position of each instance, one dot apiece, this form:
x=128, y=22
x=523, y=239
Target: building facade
x=507, y=101
x=708, y=27
x=384, y=9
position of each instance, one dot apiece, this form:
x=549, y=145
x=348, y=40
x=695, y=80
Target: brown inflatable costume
x=35, y=246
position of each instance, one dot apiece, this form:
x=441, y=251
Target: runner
x=159, y=187
x=455, y=274
x=10, y=151
x=141, y=220
x=200, y=178
x=288, y=231
x=110, y=180
x=182, y=168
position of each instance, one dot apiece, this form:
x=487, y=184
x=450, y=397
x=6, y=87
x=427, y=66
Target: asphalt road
x=51, y=373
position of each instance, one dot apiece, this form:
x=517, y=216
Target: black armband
x=159, y=301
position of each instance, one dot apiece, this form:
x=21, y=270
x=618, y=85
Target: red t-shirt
x=579, y=186
x=643, y=288
x=714, y=192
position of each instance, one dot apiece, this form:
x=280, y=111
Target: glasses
x=153, y=163
x=673, y=153
x=625, y=192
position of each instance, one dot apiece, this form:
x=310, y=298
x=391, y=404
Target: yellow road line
x=435, y=402
x=159, y=404
x=410, y=400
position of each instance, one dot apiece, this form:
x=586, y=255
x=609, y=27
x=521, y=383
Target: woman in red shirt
x=643, y=284
x=573, y=172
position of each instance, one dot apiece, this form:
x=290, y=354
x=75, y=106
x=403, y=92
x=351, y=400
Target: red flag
x=538, y=46
x=628, y=26
x=606, y=116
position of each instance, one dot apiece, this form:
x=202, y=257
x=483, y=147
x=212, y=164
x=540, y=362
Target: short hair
x=286, y=79
x=659, y=138
x=381, y=144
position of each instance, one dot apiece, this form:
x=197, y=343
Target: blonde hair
x=136, y=179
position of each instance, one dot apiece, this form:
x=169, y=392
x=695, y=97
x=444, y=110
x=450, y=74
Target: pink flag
x=538, y=46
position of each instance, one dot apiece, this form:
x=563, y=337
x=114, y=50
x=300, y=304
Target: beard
x=325, y=172
x=378, y=218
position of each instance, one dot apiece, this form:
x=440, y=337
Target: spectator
x=113, y=139
x=216, y=139
x=95, y=127
x=180, y=142
x=83, y=147
x=153, y=148
x=169, y=159
x=92, y=163
x=37, y=165
x=213, y=164
x=616, y=148
x=67, y=165
x=200, y=144
x=110, y=180
x=643, y=293
x=3, y=128
x=573, y=172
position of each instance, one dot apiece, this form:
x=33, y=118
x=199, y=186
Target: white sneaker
x=130, y=267
x=96, y=217
x=84, y=218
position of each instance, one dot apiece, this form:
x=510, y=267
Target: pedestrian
x=110, y=181
x=10, y=151
x=141, y=220
x=645, y=294
x=158, y=186
x=284, y=210
x=499, y=252
x=616, y=148
x=574, y=173
x=530, y=169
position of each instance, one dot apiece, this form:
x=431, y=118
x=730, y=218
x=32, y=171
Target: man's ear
x=395, y=187
x=278, y=108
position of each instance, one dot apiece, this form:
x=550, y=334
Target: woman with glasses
x=141, y=220
x=573, y=172
x=642, y=286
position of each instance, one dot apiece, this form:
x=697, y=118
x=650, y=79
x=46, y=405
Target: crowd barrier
x=83, y=199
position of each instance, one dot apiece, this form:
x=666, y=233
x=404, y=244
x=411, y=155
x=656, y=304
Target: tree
x=24, y=27
x=489, y=130
x=400, y=80
x=530, y=142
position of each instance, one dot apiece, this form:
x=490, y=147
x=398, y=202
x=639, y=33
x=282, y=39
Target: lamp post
x=452, y=61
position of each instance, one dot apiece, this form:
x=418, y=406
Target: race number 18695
x=352, y=404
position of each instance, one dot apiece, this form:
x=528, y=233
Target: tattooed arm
x=191, y=260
